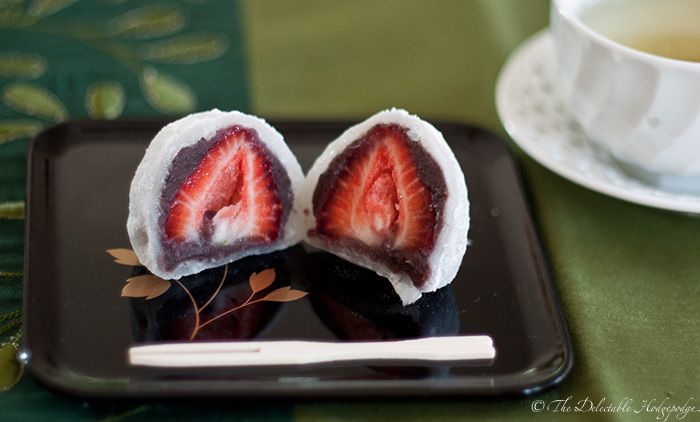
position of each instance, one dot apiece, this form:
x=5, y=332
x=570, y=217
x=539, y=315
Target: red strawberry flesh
x=223, y=194
x=383, y=196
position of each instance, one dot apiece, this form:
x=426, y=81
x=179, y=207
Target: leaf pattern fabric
x=62, y=59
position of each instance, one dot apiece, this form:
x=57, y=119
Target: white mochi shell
x=451, y=245
x=149, y=181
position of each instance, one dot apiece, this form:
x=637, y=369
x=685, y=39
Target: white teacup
x=643, y=108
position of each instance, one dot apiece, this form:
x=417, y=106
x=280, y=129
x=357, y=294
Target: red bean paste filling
x=182, y=166
x=414, y=263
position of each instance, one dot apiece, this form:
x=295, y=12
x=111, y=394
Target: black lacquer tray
x=78, y=327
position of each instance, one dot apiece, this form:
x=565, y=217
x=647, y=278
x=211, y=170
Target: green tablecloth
x=628, y=277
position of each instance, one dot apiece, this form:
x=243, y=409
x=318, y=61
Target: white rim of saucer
x=537, y=49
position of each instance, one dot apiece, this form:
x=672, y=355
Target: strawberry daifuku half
x=213, y=187
x=389, y=195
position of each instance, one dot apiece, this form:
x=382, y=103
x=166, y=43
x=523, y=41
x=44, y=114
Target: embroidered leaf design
x=11, y=11
x=11, y=368
x=148, y=286
x=262, y=280
x=105, y=100
x=35, y=100
x=12, y=210
x=149, y=21
x=15, y=64
x=48, y=7
x=11, y=130
x=124, y=257
x=166, y=93
x=284, y=294
x=186, y=49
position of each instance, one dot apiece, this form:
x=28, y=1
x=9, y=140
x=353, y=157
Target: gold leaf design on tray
x=148, y=286
x=151, y=286
x=284, y=294
x=125, y=256
x=262, y=280
x=258, y=282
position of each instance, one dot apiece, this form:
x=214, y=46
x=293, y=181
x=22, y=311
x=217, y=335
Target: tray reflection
x=218, y=303
x=353, y=303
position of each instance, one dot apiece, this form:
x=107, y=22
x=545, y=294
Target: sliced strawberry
x=378, y=197
x=230, y=196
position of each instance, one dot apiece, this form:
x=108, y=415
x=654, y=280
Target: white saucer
x=537, y=120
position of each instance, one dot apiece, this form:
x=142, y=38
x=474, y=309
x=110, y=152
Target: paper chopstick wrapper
x=273, y=353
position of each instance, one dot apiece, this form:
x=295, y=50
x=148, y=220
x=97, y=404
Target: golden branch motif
x=150, y=286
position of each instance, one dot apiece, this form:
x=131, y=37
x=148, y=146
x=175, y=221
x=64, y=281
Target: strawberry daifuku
x=389, y=195
x=212, y=187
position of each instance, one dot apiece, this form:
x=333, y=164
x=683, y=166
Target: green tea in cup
x=669, y=28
